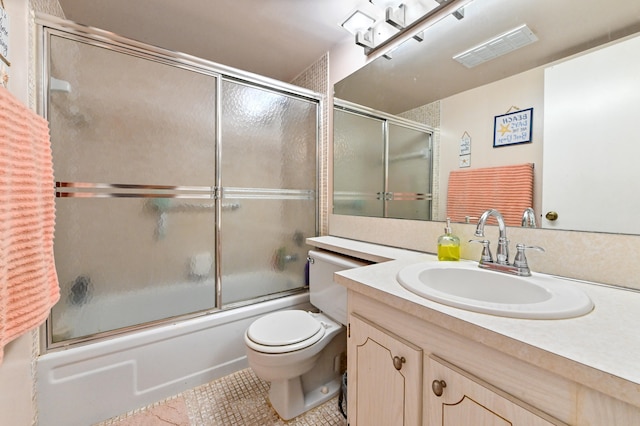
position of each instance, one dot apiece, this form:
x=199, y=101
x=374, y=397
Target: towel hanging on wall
x=28, y=280
x=508, y=189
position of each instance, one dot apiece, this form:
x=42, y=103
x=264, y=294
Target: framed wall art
x=513, y=128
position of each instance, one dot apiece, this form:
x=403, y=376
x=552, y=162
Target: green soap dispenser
x=448, y=244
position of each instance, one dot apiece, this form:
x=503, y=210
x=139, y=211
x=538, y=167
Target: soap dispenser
x=448, y=244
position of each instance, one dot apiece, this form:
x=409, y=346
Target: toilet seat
x=284, y=331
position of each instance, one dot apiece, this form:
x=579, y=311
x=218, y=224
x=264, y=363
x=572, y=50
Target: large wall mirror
x=574, y=92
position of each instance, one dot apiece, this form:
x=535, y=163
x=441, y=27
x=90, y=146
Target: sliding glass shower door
x=133, y=145
x=268, y=190
x=180, y=191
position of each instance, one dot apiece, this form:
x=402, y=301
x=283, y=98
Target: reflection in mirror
x=591, y=150
x=358, y=146
x=508, y=189
x=382, y=164
x=467, y=99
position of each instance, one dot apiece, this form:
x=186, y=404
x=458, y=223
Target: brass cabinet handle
x=398, y=361
x=438, y=387
x=551, y=216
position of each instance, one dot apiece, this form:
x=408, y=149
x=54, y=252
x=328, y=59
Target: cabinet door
x=457, y=398
x=385, y=377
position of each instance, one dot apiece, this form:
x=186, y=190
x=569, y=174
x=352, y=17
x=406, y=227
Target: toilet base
x=289, y=400
x=299, y=378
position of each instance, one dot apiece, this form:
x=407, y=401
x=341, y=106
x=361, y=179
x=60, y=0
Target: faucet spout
x=502, y=253
x=483, y=219
x=519, y=267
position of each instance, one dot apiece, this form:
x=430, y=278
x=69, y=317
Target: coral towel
x=28, y=280
x=508, y=189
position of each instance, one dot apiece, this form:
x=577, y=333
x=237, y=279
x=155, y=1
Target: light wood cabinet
x=385, y=377
x=457, y=398
x=493, y=385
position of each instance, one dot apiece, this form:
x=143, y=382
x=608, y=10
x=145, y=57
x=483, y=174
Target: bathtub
x=86, y=384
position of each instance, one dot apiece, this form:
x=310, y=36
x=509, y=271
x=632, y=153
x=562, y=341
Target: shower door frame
x=47, y=26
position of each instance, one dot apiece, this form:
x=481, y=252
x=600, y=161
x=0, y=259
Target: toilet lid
x=284, y=328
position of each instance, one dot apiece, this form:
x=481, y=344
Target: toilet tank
x=325, y=294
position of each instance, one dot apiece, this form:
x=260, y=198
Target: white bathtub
x=87, y=384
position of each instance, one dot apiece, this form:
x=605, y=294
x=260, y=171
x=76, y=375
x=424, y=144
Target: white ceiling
x=273, y=38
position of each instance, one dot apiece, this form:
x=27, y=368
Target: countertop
x=361, y=250
x=600, y=350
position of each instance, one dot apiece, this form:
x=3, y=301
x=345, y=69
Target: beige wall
x=521, y=91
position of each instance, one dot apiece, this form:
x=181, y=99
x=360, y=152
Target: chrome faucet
x=529, y=218
x=501, y=264
x=502, y=253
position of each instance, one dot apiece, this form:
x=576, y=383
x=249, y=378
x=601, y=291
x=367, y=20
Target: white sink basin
x=464, y=285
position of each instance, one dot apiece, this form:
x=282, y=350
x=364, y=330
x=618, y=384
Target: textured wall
x=316, y=78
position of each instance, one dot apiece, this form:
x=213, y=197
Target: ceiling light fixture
x=358, y=21
x=366, y=38
x=396, y=17
x=400, y=21
x=497, y=46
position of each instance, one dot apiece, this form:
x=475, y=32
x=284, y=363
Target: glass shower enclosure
x=182, y=187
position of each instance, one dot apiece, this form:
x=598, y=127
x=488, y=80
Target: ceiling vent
x=497, y=46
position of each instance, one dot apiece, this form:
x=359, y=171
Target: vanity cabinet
x=385, y=377
x=484, y=385
x=457, y=398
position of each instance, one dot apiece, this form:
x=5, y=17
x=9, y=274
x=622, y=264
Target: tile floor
x=238, y=399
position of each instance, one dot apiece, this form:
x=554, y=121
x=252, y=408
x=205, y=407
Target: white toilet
x=300, y=352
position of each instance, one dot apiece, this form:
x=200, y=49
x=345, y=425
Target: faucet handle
x=468, y=219
x=520, y=261
x=486, y=251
